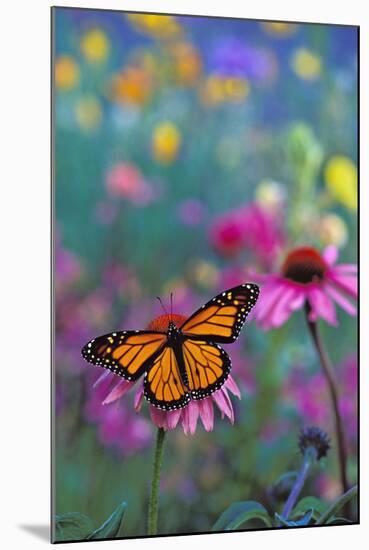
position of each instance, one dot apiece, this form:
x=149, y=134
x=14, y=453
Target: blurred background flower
x=95, y=46
x=341, y=179
x=166, y=141
x=191, y=155
x=66, y=73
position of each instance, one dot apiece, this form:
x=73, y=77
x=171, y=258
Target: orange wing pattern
x=163, y=385
x=124, y=353
x=222, y=318
x=207, y=367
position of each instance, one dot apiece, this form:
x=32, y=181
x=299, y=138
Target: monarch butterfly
x=184, y=362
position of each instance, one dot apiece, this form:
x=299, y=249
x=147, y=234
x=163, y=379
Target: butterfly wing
x=127, y=354
x=222, y=318
x=163, y=384
x=207, y=367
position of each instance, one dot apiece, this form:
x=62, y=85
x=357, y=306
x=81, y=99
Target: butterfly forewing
x=163, y=385
x=207, y=367
x=190, y=366
x=222, y=318
x=127, y=354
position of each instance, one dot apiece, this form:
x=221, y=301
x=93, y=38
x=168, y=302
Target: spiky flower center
x=161, y=323
x=304, y=265
x=316, y=438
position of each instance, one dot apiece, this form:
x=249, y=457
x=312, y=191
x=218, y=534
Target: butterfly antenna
x=162, y=305
x=171, y=306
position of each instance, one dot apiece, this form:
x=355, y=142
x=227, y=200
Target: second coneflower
x=307, y=277
x=314, y=283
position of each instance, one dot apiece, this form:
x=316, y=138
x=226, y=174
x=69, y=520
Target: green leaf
x=337, y=505
x=308, y=503
x=72, y=526
x=239, y=513
x=110, y=527
x=302, y=521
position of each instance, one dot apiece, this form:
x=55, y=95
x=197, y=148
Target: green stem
x=333, y=391
x=298, y=485
x=152, y=526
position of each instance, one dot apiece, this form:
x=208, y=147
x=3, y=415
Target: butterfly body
x=182, y=362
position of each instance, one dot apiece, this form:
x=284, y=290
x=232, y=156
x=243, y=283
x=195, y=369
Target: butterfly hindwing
x=222, y=318
x=127, y=354
x=163, y=384
x=207, y=367
x=182, y=363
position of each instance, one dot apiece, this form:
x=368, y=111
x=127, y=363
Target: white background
x=25, y=302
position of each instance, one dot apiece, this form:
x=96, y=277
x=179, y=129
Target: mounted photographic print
x=205, y=246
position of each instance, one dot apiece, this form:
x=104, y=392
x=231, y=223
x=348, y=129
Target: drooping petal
x=341, y=300
x=347, y=283
x=101, y=378
x=173, y=418
x=221, y=398
x=138, y=398
x=346, y=268
x=119, y=389
x=232, y=386
x=269, y=295
x=283, y=307
x=330, y=254
x=207, y=413
x=321, y=306
x=159, y=417
x=189, y=417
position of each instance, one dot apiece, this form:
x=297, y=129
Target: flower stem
x=298, y=485
x=333, y=390
x=152, y=526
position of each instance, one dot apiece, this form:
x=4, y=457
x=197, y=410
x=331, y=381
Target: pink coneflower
x=307, y=278
x=187, y=416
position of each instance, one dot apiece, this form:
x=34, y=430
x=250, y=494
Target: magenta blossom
x=250, y=228
x=307, y=277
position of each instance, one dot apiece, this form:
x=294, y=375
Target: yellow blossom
x=95, y=46
x=158, y=26
x=88, y=112
x=132, y=85
x=187, y=63
x=166, y=142
x=66, y=73
x=217, y=89
x=333, y=230
x=279, y=28
x=341, y=180
x=306, y=64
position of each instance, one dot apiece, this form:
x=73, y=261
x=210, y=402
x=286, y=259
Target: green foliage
x=240, y=513
x=314, y=504
x=304, y=520
x=337, y=505
x=74, y=526
x=110, y=528
x=308, y=511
